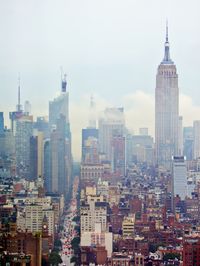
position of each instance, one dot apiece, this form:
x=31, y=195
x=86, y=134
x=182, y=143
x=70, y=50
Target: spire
x=19, y=96
x=167, y=59
x=63, y=82
x=166, y=31
x=92, y=102
x=92, y=113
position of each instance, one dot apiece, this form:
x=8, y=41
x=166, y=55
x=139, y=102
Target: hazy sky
x=108, y=48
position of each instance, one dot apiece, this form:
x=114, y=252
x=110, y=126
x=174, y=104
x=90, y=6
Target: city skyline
x=99, y=133
x=110, y=67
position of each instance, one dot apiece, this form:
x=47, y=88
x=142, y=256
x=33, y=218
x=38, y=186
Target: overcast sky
x=108, y=48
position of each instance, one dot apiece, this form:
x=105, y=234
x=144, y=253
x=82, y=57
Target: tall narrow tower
x=92, y=114
x=166, y=110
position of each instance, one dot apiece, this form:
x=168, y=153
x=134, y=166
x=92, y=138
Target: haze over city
x=99, y=133
x=109, y=49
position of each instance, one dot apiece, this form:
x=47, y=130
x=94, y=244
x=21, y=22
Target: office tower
x=143, y=131
x=33, y=157
x=196, y=146
x=180, y=135
x=1, y=123
x=59, y=160
x=112, y=123
x=188, y=139
x=166, y=109
x=64, y=155
x=21, y=128
x=36, y=155
x=90, y=145
x=179, y=172
x=24, y=130
x=118, y=155
x=42, y=125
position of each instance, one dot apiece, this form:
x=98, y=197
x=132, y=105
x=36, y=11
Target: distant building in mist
x=188, y=139
x=166, y=110
x=140, y=148
x=196, y=147
x=90, y=138
x=90, y=145
x=111, y=124
x=92, y=114
x=143, y=131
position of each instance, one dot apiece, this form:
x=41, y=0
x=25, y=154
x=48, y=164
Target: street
x=68, y=232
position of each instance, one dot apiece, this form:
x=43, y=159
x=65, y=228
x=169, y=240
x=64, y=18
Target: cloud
x=188, y=110
x=79, y=118
x=138, y=109
x=139, y=112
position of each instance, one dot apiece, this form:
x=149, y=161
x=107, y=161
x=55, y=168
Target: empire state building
x=166, y=110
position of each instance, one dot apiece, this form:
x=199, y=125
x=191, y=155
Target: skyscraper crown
x=167, y=59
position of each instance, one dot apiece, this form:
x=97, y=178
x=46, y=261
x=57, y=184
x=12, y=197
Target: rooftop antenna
x=19, y=95
x=166, y=30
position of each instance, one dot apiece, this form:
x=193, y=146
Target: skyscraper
x=110, y=125
x=36, y=155
x=166, y=109
x=58, y=159
x=24, y=130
